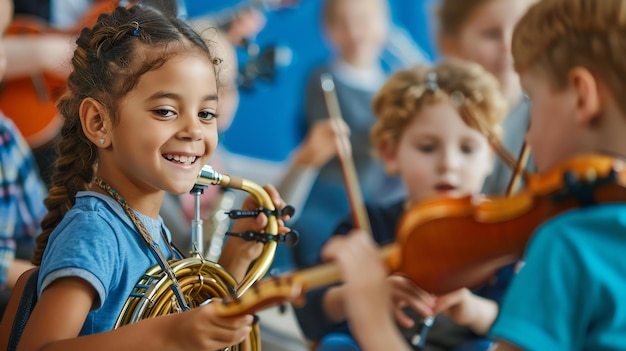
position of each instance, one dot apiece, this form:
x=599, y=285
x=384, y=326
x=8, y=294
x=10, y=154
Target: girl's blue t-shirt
x=97, y=241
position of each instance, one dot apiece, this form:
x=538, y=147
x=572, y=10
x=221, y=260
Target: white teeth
x=187, y=160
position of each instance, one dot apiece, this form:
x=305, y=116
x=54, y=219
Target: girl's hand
x=237, y=253
x=367, y=294
x=465, y=308
x=457, y=305
x=404, y=293
x=319, y=145
x=361, y=265
x=202, y=329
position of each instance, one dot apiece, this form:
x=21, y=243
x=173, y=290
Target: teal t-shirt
x=571, y=293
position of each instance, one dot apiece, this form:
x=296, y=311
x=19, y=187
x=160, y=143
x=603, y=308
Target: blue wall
x=268, y=122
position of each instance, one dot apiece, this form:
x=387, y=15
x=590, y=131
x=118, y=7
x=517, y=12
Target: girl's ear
x=92, y=118
x=387, y=152
x=588, y=100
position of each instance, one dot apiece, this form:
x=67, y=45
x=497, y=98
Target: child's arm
x=366, y=291
x=334, y=304
x=28, y=55
x=404, y=293
x=18, y=266
x=63, y=306
x=317, y=148
x=466, y=308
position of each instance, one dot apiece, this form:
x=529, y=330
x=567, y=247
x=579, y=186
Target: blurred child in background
x=421, y=135
x=357, y=31
x=481, y=31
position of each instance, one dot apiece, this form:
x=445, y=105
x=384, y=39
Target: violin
x=444, y=244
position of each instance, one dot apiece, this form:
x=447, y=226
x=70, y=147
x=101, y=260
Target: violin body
x=445, y=244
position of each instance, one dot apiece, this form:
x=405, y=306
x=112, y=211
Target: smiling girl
x=140, y=121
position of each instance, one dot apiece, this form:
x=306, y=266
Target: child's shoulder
x=95, y=210
x=584, y=227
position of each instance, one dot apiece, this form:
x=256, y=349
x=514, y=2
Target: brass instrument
x=214, y=233
x=200, y=279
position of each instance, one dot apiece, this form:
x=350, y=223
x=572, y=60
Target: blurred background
x=293, y=32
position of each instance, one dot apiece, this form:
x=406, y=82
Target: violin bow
x=344, y=153
x=516, y=164
x=516, y=177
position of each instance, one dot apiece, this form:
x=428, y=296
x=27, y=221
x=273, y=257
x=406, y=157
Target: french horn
x=200, y=279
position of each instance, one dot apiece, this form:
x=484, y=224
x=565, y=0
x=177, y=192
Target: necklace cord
x=152, y=245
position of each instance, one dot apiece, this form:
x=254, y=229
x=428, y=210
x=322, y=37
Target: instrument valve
x=280, y=212
x=290, y=239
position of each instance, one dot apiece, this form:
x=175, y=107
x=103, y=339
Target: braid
x=74, y=172
x=108, y=61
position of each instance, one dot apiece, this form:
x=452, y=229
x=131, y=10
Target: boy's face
x=553, y=133
x=438, y=154
x=358, y=29
x=6, y=11
x=486, y=39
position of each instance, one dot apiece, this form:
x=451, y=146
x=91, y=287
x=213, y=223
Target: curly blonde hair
x=404, y=94
x=558, y=35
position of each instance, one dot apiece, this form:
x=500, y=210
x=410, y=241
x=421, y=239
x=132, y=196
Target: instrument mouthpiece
x=208, y=176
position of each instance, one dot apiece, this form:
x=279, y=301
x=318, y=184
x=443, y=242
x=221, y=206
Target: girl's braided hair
x=108, y=61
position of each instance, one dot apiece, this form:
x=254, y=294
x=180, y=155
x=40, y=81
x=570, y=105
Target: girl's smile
x=167, y=128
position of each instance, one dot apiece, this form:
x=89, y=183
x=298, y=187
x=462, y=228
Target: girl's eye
x=164, y=113
x=207, y=115
x=467, y=149
x=427, y=148
x=492, y=33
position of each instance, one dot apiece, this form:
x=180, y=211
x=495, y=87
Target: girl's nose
x=449, y=159
x=190, y=129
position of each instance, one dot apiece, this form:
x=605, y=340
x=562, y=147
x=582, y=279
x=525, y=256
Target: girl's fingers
x=229, y=336
x=449, y=300
x=402, y=319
